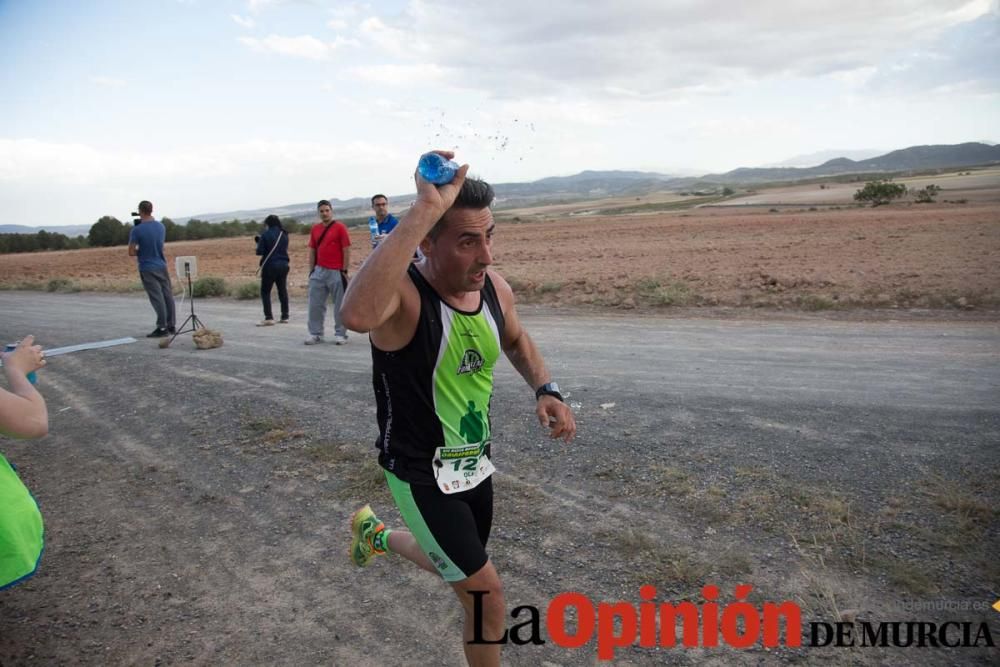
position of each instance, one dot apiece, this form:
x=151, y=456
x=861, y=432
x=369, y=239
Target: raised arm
x=373, y=296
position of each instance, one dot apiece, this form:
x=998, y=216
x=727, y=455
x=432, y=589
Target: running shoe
x=364, y=526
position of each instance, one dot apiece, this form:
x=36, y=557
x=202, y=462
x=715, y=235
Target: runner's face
x=381, y=207
x=325, y=213
x=464, y=248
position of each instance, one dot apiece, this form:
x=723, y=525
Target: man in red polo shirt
x=329, y=257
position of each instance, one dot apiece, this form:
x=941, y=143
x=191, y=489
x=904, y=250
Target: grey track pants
x=161, y=296
x=323, y=284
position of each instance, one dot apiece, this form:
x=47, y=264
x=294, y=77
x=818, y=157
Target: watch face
x=552, y=386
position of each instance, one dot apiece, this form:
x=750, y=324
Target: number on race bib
x=466, y=472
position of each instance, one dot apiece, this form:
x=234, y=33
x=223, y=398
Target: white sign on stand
x=186, y=266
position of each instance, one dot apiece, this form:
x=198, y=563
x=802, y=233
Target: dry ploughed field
x=941, y=255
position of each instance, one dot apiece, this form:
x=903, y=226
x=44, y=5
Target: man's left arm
x=527, y=360
x=347, y=252
x=133, y=247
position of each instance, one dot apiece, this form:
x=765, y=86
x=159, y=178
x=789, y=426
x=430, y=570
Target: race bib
x=462, y=467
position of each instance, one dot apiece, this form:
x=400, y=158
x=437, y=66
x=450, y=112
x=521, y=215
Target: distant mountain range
x=598, y=184
x=67, y=230
x=915, y=158
x=819, y=157
x=586, y=184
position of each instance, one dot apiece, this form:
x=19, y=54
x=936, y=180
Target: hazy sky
x=203, y=105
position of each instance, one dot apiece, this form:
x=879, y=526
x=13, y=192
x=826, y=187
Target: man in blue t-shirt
x=145, y=242
x=382, y=222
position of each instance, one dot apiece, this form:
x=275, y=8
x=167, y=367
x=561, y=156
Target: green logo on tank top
x=472, y=361
x=473, y=426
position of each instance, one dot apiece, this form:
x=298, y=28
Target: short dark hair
x=475, y=194
x=322, y=202
x=382, y=196
x=145, y=207
x=273, y=221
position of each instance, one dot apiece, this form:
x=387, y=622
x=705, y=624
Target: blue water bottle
x=436, y=169
x=10, y=347
x=373, y=228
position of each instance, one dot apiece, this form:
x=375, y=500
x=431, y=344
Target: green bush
x=677, y=293
x=553, y=286
x=61, y=285
x=927, y=195
x=209, y=286
x=245, y=291
x=879, y=192
x=816, y=302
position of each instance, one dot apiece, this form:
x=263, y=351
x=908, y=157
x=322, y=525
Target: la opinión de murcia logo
x=572, y=620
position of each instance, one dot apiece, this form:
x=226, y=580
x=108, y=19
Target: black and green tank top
x=436, y=391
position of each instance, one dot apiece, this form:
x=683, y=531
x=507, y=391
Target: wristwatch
x=548, y=389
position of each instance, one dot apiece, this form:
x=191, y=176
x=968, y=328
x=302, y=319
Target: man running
x=437, y=327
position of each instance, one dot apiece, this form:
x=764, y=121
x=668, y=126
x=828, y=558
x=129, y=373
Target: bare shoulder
x=504, y=292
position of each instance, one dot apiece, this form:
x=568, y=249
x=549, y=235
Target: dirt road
x=196, y=501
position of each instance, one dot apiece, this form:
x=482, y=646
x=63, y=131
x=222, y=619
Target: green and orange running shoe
x=364, y=526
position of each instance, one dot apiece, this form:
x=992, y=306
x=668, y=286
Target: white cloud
x=302, y=46
x=650, y=49
x=349, y=10
x=340, y=41
x=400, y=75
x=243, y=21
x=398, y=42
x=337, y=24
x=108, y=81
x=185, y=180
x=256, y=5
x=855, y=77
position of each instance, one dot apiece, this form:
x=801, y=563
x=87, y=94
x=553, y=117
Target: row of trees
x=110, y=231
x=42, y=240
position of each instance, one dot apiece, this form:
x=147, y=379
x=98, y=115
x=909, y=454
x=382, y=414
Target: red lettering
x=688, y=612
x=751, y=620
x=647, y=617
x=710, y=616
x=772, y=625
x=607, y=640
x=555, y=620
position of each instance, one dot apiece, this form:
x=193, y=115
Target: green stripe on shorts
x=415, y=522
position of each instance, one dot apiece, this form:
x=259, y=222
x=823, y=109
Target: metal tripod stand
x=191, y=319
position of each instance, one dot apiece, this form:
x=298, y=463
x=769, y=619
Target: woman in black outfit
x=272, y=246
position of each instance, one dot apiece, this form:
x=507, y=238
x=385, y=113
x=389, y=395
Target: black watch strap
x=548, y=389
